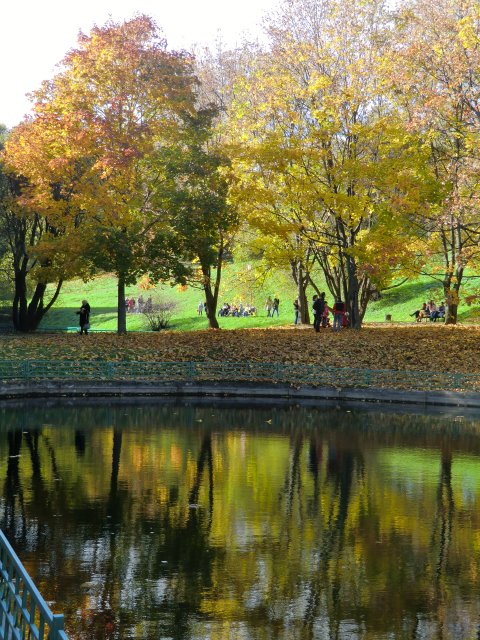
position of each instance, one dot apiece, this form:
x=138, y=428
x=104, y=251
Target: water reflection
x=199, y=521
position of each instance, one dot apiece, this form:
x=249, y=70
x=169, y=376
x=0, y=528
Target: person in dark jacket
x=339, y=310
x=276, y=304
x=318, y=307
x=296, y=309
x=84, y=313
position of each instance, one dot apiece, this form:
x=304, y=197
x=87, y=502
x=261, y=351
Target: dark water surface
x=195, y=522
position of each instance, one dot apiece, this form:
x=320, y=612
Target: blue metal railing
x=24, y=614
x=231, y=372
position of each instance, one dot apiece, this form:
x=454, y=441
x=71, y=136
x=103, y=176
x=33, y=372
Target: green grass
x=402, y=301
x=101, y=293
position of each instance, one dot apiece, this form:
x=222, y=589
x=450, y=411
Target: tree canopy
x=347, y=143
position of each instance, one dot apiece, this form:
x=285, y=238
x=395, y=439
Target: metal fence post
x=458, y=380
x=26, y=369
x=21, y=604
x=58, y=624
x=367, y=377
x=191, y=370
x=279, y=371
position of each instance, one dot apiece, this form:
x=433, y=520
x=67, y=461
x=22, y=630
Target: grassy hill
x=238, y=286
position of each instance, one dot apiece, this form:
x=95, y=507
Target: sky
x=36, y=34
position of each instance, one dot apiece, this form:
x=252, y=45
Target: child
x=325, y=316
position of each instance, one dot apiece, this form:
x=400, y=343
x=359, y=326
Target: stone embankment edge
x=52, y=389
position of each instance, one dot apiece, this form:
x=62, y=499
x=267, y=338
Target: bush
x=159, y=314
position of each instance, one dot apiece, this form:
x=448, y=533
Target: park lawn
x=425, y=347
x=101, y=293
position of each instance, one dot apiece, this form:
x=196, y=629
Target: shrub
x=159, y=314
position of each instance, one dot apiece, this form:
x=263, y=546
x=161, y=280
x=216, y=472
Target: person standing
x=325, y=316
x=84, y=313
x=200, y=308
x=338, y=313
x=269, y=306
x=318, y=307
x=276, y=304
x=296, y=309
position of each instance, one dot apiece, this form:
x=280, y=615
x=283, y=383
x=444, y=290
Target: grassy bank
x=237, y=287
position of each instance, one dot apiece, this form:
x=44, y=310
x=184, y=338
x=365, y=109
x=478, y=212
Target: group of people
x=138, y=306
x=430, y=311
x=237, y=311
x=321, y=313
x=242, y=310
x=271, y=306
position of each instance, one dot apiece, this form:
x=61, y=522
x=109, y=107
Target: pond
x=161, y=520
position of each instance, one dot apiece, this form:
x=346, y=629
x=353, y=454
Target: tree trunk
x=19, y=309
x=352, y=298
x=451, y=295
x=451, y=313
x=302, y=280
x=302, y=284
x=211, y=310
x=121, y=310
x=27, y=316
x=211, y=295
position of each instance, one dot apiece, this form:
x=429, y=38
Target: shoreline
x=246, y=391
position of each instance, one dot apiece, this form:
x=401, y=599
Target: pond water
x=192, y=522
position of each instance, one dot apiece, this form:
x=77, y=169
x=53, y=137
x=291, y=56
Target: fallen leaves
x=415, y=348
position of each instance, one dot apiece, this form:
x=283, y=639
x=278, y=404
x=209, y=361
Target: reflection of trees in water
x=80, y=442
x=293, y=481
x=188, y=547
x=327, y=554
x=378, y=426
x=441, y=540
x=13, y=491
x=155, y=560
x=114, y=512
x=42, y=502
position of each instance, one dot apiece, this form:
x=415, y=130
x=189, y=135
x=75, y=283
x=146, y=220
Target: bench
x=442, y=318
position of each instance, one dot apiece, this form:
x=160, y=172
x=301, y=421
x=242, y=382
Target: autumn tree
x=4, y=195
x=39, y=222
x=101, y=120
x=203, y=221
x=436, y=73
x=323, y=154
